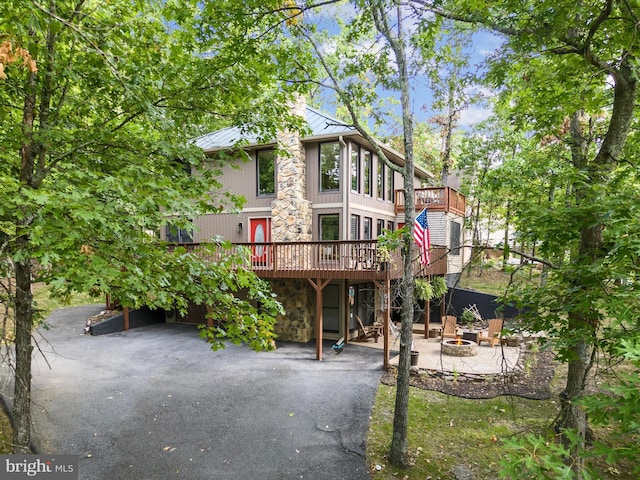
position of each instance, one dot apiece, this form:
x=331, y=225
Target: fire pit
x=459, y=348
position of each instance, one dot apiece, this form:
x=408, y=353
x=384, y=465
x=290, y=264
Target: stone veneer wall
x=298, y=300
x=291, y=220
x=291, y=213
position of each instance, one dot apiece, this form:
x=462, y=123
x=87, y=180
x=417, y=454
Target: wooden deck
x=435, y=199
x=351, y=260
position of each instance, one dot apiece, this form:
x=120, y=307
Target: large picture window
x=266, y=160
x=329, y=167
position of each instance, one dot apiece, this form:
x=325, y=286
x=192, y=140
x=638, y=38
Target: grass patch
x=45, y=304
x=445, y=431
x=495, y=281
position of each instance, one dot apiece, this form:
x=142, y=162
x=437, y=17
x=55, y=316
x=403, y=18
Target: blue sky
x=422, y=99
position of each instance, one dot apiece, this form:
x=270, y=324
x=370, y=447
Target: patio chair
x=449, y=326
x=492, y=334
x=367, y=332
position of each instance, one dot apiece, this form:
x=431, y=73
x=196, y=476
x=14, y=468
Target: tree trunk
x=591, y=251
x=505, y=248
x=398, y=455
x=447, y=135
x=24, y=348
x=32, y=172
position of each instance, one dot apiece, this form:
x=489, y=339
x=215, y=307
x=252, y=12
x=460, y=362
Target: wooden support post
x=125, y=319
x=386, y=317
x=319, y=286
x=347, y=309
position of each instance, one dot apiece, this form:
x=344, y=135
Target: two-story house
x=314, y=208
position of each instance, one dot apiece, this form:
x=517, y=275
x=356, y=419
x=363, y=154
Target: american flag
x=421, y=236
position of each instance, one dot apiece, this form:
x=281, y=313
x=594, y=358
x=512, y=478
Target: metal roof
x=320, y=124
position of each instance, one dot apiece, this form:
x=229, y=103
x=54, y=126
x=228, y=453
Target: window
x=176, y=234
x=367, y=172
x=379, y=227
x=355, y=227
x=390, y=226
x=368, y=227
x=266, y=162
x=390, y=185
x=456, y=242
x=355, y=168
x=381, y=167
x=329, y=167
x=329, y=227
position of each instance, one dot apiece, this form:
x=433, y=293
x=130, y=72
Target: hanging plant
x=439, y=286
x=423, y=289
x=428, y=290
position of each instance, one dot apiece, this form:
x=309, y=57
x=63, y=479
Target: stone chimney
x=291, y=217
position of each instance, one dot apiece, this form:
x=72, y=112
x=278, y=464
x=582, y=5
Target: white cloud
x=471, y=116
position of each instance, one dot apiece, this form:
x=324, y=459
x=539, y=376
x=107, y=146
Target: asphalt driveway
x=156, y=403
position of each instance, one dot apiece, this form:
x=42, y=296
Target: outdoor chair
x=368, y=331
x=449, y=326
x=492, y=334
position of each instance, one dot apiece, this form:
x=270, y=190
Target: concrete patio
x=488, y=361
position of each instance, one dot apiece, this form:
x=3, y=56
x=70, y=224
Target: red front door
x=260, y=229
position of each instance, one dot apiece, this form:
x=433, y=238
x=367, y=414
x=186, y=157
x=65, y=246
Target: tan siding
x=242, y=181
x=313, y=178
x=226, y=226
x=438, y=232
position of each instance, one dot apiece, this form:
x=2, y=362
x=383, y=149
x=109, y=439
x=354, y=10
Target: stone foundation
x=298, y=299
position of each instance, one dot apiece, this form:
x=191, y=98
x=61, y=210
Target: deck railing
x=353, y=259
x=443, y=199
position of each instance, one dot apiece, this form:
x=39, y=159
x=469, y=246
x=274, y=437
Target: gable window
x=175, y=234
x=367, y=173
x=355, y=227
x=266, y=169
x=368, y=227
x=456, y=241
x=381, y=191
x=355, y=168
x=329, y=167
